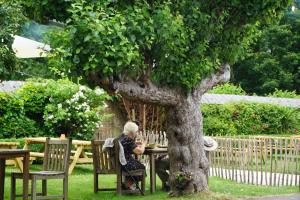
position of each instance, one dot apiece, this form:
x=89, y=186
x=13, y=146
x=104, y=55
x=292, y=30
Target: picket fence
x=260, y=160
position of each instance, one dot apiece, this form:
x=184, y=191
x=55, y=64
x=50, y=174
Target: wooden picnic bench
x=78, y=156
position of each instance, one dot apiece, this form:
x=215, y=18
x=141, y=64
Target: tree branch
x=138, y=91
x=222, y=76
x=148, y=93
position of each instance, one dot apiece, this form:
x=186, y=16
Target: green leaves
x=103, y=34
x=227, y=88
x=11, y=18
x=249, y=118
x=273, y=60
x=51, y=107
x=44, y=10
x=181, y=42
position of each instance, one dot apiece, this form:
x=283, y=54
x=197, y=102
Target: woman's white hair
x=130, y=127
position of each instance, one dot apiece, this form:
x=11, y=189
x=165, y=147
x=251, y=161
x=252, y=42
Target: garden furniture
x=16, y=161
x=152, y=153
x=108, y=162
x=79, y=156
x=55, y=166
x=14, y=153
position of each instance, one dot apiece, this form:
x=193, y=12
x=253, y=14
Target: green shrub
x=17, y=126
x=284, y=94
x=73, y=109
x=227, y=88
x=250, y=118
x=10, y=103
x=35, y=99
x=213, y=126
x=50, y=108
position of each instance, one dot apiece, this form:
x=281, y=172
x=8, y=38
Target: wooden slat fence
x=272, y=161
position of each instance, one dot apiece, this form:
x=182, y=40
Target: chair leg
x=33, y=188
x=13, y=187
x=44, y=187
x=163, y=185
x=65, y=188
x=143, y=183
x=119, y=183
x=96, y=183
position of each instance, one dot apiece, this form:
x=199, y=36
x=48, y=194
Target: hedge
x=250, y=119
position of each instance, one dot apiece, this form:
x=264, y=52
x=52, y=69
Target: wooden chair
x=55, y=166
x=108, y=162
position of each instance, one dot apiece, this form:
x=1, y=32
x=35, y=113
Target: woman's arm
x=139, y=149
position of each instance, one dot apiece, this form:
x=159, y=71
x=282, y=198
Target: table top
x=43, y=140
x=7, y=153
x=155, y=150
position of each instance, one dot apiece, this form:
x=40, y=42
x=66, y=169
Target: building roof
x=7, y=86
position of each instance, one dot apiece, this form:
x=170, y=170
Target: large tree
x=166, y=53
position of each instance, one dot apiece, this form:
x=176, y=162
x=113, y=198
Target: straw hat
x=209, y=144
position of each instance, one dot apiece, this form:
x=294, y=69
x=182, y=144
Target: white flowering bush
x=73, y=109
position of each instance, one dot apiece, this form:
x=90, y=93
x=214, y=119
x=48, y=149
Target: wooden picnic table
x=152, y=153
x=79, y=155
x=14, y=153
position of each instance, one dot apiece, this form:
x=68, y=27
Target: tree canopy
x=46, y=10
x=174, y=43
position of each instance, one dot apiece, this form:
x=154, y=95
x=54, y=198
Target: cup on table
x=139, y=140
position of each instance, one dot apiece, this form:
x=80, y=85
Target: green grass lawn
x=81, y=188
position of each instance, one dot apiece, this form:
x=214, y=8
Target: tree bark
x=184, y=127
x=186, y=150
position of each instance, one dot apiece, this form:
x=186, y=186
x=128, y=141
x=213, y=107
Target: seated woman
x=127, y=139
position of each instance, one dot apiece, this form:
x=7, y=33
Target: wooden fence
x=273, y=161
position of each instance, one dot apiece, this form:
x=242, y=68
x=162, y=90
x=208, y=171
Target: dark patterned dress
x=132, y=164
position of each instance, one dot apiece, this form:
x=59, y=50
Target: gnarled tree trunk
x=184, y=121
x=186, y=150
